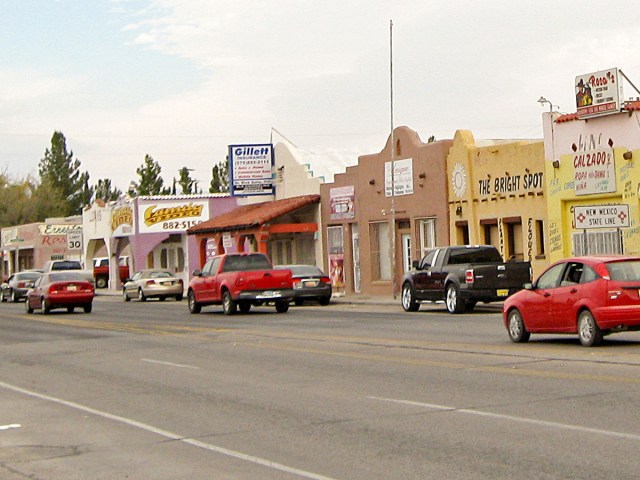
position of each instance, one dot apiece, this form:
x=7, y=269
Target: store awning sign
x=601, y=216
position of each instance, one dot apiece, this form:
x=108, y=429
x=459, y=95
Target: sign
x=251, y=169
x=598, y=93
x=170, y=216
x=74, y=240
x=506, y=184
x=594, y=172
x=402, y=182
x=122, y=221
x=342, y=202
x=227, y=241
x=601, y=216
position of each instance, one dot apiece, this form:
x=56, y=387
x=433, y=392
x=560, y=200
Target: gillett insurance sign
x=250, y=169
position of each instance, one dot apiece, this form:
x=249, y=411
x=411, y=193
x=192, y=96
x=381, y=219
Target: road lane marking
x=170, y=435
x=170, y=364
x=9, y=427
x=500, y=416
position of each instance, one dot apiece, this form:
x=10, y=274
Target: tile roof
x=253, y=215
x=631, y=106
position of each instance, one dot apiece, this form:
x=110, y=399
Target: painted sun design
x=459, y=180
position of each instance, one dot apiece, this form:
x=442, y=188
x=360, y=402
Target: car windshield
x=160, y=275
x=625, y=271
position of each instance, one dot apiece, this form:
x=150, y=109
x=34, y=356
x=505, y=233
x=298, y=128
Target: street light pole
x=392, y=229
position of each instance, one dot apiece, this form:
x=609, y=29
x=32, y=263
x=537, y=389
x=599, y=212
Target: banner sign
x=342, y=200
x=170, y=216
x=251, y=169
x=402, y=181
x=598, y=93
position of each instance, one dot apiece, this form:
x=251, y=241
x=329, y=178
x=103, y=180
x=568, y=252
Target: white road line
x=8, y=427
x=170, y=435
x=179, y=365
x=531, y=421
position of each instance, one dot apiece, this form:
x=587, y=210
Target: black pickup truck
x=462, y=276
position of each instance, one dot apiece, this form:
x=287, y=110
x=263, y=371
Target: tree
x=105, y=192
x=25, y=201
x=220, y=178
x=186, y=183
x=150, y=180
x=61, y=172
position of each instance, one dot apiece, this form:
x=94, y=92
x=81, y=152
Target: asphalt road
x=148, y=391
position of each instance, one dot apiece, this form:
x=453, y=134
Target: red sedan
x=61, y=289
x=590, y=296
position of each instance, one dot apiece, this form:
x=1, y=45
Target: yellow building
x=496, y=196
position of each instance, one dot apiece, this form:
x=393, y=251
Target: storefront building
x=377, y=219
x=593, y=182
x=496, y=196
x=30, y=246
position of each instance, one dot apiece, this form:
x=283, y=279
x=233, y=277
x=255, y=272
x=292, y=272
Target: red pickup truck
x=238, y=281
x=101, y=270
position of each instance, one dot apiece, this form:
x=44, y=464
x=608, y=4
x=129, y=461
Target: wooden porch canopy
x=253, y=220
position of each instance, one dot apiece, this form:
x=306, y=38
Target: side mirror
x=529, y=286
x=197, y=272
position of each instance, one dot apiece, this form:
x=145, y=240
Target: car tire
x=228, y=305
x=409, y=302
x=324, y=301
x=125, y=296
x=101, y=282
x=588, y=331
x=515, y=326
x=87, y=308
x=46, y=307
x=244, y=307
x=28, y=307
x=178, y=298
x=141, y=296
x=70, y=309
x=452, y=299
x=194, y=307
x=282, y=306
x=14, y=296
x=2, y=296
x=298, y=302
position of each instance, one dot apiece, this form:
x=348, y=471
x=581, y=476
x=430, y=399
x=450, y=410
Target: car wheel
x=141, y=296
x=244, y=307
x=162, y=298
x=282, y=306
x=298, y=302
x=194, y=307
x=228, y=305
x=101, y=282
x=178, y=298
x=588, y=330
x=125, y=296
x=87, y=308
x=28, y=307
x=324, y=300
x=46, y=307
x=2, y=297
x=409, y=303
x=452, y=299
x=70, y=309
x=515, y=326
x=14, y=296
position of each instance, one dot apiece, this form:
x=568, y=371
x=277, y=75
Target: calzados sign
x=594, y=172
x=171, y=217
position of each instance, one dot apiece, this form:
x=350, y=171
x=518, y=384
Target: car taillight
x=297, y=283
x=468, y=276
x=601, y=269
x=150, y=282
x=22, y=284
x=325, y=280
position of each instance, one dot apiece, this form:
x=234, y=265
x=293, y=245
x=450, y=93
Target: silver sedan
x=153, y=283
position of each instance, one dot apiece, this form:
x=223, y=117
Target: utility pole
x=392, y=227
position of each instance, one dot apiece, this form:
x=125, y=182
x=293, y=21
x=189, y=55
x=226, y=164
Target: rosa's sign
x=598, y=93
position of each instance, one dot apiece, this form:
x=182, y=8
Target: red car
x=61, y=289
x=590, y=296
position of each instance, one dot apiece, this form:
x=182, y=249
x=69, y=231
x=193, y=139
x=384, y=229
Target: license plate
x=268, y=294
x=167, y=283
x=311, y=283
x=503, y=292
x=72, y=288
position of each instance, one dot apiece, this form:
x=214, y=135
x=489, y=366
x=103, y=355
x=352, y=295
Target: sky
x=180, y=80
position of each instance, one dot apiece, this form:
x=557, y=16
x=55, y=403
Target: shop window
x=540, y=238
x=380, y=260
x=513, y=238
x=608, y=242
x=426, y=234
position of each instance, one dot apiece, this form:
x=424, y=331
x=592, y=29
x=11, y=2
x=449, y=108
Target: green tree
x=61, y=172
x=25, y=201
x=105, y=192
x=187, y=184
x=150, y=180
x=220, y=178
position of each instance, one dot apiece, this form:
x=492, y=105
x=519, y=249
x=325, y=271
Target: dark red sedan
x=590, y=296
x=61, y=289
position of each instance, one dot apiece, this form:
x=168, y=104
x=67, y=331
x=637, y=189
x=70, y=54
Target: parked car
x=101, y=270
x=157, y=283
x=18, y=284
x=53, y=265
x=309, y=283
x=239, y=281
x=61, y=289
x=590, y=296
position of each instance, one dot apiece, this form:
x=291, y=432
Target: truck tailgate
x=265, y=279
x=501, y=276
